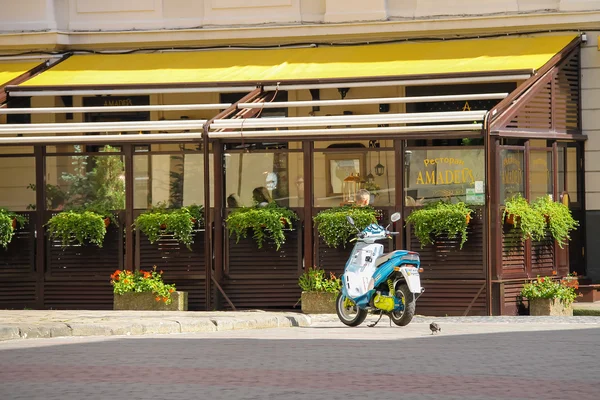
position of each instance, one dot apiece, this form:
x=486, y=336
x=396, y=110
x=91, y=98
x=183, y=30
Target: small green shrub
x=266, y=222
x=314, y=280
x=531, y=221
x=333, y=227
x=77, y=227
x=548, y=288
x=559, y=219
x=179, y=222
x=7, y=230
x=142, y=281
x=440, y=218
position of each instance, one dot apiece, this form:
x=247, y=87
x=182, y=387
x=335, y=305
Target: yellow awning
x=12, y=70
x=354, y=62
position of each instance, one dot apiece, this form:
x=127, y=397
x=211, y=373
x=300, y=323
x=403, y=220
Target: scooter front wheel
x=348, y=312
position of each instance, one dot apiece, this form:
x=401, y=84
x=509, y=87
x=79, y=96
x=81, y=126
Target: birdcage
x=350, y=187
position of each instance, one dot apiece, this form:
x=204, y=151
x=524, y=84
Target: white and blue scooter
x=388, y=284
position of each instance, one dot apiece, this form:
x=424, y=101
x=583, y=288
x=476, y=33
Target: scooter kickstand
x=376, y=322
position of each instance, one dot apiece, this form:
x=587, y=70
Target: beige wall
x=590, y=91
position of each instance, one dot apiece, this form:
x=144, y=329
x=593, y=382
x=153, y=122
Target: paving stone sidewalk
x=28, y=324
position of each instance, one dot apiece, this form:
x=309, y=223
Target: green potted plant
x=9, y=222
x=266, y=222
x=333, y=227
x=77, y=227
x=179, y=222
x=319, y=293
x=550, y=297
x=146, y=290
x=440, y=218
x=519, y=213
x=558, y=217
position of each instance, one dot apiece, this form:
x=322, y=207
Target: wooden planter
x=553, y=307
x=146, y=302
x=318, y=302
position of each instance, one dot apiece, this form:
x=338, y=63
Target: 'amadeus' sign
x=116, y=101
x=454, y=171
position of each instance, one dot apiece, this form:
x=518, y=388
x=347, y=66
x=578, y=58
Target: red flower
x=147, y=275
x=553, y=272
x=171, y=290
x=157, y=299
x=165, y=299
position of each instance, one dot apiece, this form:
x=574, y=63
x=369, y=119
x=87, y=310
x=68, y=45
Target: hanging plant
x=440, y=218
x=558, y=217
x=266, y=222
x=77, y=227
x=333, y=227
x=519, y=213
x=9, y=222
x=179, y=222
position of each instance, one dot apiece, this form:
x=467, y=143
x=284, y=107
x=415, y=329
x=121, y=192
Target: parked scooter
x=388, y=284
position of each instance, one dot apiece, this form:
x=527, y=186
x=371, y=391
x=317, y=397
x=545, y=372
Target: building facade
x=523, y=76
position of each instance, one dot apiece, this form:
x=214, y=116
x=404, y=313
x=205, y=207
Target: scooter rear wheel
x=403, y=318
x=349, y=315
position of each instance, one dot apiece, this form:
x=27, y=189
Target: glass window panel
x=17, y=184
x=374, y=168
x=252, y=178
x=512, y=174
x=440, y=174
x=561, y=170
x=540, y=174
x=96, y=181
x=16, y=150
x=173, y=180
x=572, y=183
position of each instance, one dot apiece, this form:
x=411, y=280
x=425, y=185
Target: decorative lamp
x=350, y=187
x=370, y=178
x=379, y=169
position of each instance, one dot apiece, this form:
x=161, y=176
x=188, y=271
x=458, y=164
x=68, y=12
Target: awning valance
x=227, y=67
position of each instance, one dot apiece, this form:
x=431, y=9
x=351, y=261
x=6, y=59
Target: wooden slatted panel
x=452, y=298
x=536, y=114
x=89, y=260
x=246, y=259
x=76, y=294
x=566, y=95
x=269, y=292
x=512, y=304
x=173, y=257
x=542, y=256
x=19, y=255
x=445, y=259
x=195, y=289
x=18, y=292
x=513, y=251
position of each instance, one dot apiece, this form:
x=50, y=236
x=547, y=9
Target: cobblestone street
x=470, y=359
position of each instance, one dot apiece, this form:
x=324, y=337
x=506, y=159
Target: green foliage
x=531, y=221
x=559, y=218
x=266, y=222
x=440, y=218
x=334, y=228
x=314, y=280
x=547, y=288
x=77, y=227
x=178, y=222
x=142, y=281
x=7, y=230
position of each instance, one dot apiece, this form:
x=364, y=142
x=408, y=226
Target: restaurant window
x=171, y=180
x=17, y=186
x=81, y=180
x=541, y=180
x=512, y=174
x=264, y=176
x=444, y=174
x=370, y=164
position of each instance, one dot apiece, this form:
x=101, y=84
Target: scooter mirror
x=350, y=220
x=395, y=217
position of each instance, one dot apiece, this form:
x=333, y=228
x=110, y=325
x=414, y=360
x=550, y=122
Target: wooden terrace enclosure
x=475, y=120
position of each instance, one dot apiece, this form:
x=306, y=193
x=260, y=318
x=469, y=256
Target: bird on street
x=434, y=328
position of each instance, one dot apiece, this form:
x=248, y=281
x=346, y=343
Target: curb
x=166, y=325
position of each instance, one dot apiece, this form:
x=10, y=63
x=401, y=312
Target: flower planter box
x=146, y=302
x=554, y=307
x=318, y=302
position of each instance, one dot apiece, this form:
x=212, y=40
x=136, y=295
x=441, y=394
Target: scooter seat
x=384, y=258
